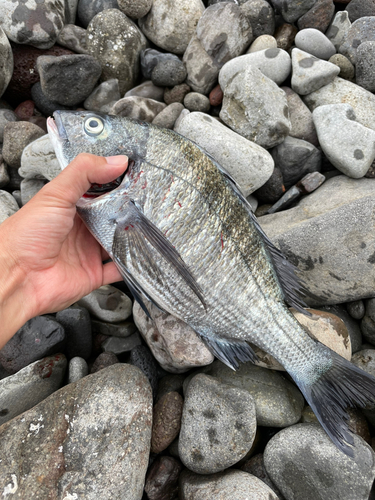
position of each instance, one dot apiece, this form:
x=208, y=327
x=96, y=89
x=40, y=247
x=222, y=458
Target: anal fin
x=230, y=351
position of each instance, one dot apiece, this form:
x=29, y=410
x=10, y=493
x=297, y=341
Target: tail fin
x=343, y=385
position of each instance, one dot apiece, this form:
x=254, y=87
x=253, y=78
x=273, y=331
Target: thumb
x=84, y=170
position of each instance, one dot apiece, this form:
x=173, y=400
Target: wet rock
x=120, y=345
x=176, y=94
x=8, y=205
x=300, y=118
x=133, y=9
x=147, y=89
x=77, y=326
x=166, y=421
x=339, y=28
x=38, y=160
x=107, y=303
x=365, y=71
x=362, y=30
x=6, y=115
x=318, y=17
x=104, y=360
x=77, y=369
x=311, y=73
x=17, y=135
x=103, y=94
x=168, y=116
x=74, y=38
x=315, y=43
x=162, y=479
x=261, y=17
x=88, y=9
x=140, y=108
x=6, y=61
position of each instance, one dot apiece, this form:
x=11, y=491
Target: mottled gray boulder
x=311, y=73
x=231, y=484
x=365, y=72
x=74, y=38
x=339, y=265
x=226, y=428
x=91, y=440
x=339, y=28
x=38, y=160
x=17, y=135
x=170, y=25
x=119, y=57
x=314, y=42
x=300, y=118
x=246, y=93
x=8, y=205
x=32, y=384
x=137, y=107
x=362, y=30
x=261, y=16
x=6, y=61
x=292, y=10
x=305, y=465
x=201, y=68
x=107, y=303
x=249, y=164
x=105, y=93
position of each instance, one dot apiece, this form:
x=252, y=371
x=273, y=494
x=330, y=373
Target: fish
x=183, y=236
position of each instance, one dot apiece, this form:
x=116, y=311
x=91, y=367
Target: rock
x=142, y=358
x=150, y=58
x=77, y=326
x=4, y=175
x=8, y=205
x=17, y=135
x=169, y=383
x=365, y=72
x=74, y=38
x=229, y=484
x=348, y=145
x=311, y=73
x=29, y=188
x=248, y=163
x=310, y=182
x=70, y=11
x=255, y=466
x=365, y=360
x=261, y=16
x=116, y=42
x=6, y=115
x=173, y=343
x=6, y=61
x=121, y=329
x=318, y=17
x=36, y=24
x=368, y=322
x=25, y=110
x=166, y=421
x=168, y=73
x=290, y=196
x=244, y=95
x=140, y=108
x=135, y=9
x=263, y=42
x=103, y=94
x=168, y=116
x=315, y=43
x=295, y=158
x=38, y=160
x=14, y=181
x=88, y=9
x=45, y=105
x=162, y=479
x=197, y=102
x=284, y=36
x=304, y=464
x=39, y=337
x=351, y=325
x=300, y=118
x=336, y=267
x=107, y=303
x=77, y=369
x=146, y=89
x=104, y=360
x=216, y=96
x=171, y=25
x=347, y=69
x=339, y=28
x=362, y=30
x=356, y=309
x=84, y=427
x=32, y=384
x=119, y=345
x=176, y=94
x=227, y=425
x=357, y=9
x=223, y=32
x=292, y=11
x=273, y=189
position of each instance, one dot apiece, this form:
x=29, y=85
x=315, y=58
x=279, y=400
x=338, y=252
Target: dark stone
x=285, y=35
x=261, y=16
x=286, y=200
x=169, y=383
x=25, y=110
x=103, y=360
x=162, y=479
x=356, y=309
x=150, y=58
x=319, y=17
x=87, y=9
x=255, y=466
x=44, y=105
x=166, y=421
x=141, y=357
x=77, y=325
x=176, y=94
x=273, y=189
x=17, y=135
x=359, y=8
x=168, y=73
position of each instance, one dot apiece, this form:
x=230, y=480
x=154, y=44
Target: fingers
x=84, y=170
x=110, y=274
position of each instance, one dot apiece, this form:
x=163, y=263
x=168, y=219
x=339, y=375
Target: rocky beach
x=99, y=401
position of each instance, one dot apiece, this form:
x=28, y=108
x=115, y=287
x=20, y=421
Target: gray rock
x=174, y=344
x=197, y=102
x=137, y=107
x=339, y=28
x=17, y=135
x=291, y=10
x=255, y=466
x=121, y=329
x=150, y=58
x=170, y=25
x=244, y=95
x=32, y=384
x=300, y=118
x=286, y=200
x=116, y=42
x=77, y=325
x=295, y=158
x=17, y=196
x=77, y=369
x=88, y=9
x=311, y=73
x=142, y=358
x=107, y=303
x=29, y=188
x=74, y=38
x=226, y=429
x=36, y=24
x=305, y=465
x=162, y=478
x=168, y=116
x=357, y=9
x=119, y=345
x=347, y=69
x=70, y=12
x=315, y=42
x=229, y=484
x=365, y=360
x=135, y=9
x=147, y=89
x=8, y=205
x=42, y=103
x=168, y=73
x=261, y=16
x=348, y=145
x=38, y=160
x=104, y=360
x=98, y=430
x=365, y=71
x=263, y=42
x=342, y=91
x=351, y=325
x=318, y=17
x=201, y=68
x=105, y=93
x=6, y=115
x=356, y=309
x=249, y=164
x=6, y=61
x=4, y=175
x=338, y=266
x=368, y=322
x=362, y=30
x=39, y=337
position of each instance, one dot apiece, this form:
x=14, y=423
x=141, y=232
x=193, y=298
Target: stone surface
x=88, y=440
x=311, y=73
x=88, y=9
x=262, y=42
x=44, y=105
x=17, y=135
x=261, y=17
x=103, y=94
x=147, y=89
x=162, y=479
x=348, y=145
x=116, y=42
x=273, y=189
x=368, y=322
x=362, y=30
x=38, y=160
x=336, y=267
x=170, y=25
x=8, y=205
x=284, y=36
x=168, y=116
x=173, y=343
x=246, y=93
x=142, y=358
x=176, y=94
x=347, y=69
x=107, y=303
x=6, y=61
x=291, y=11
x=133, y=9
x=300, y=118
x=32, y=384
x=77, y=369
x=104, y=360
x=255, y=466
x=226, y=429
x=166, y=422
x=77, y=325
x=304, y=464
x=356, y=309
x=121, y=329
x=74, y=38
x=357, y=9
x=289, y=197
x=365, y=71
x=315, y=43
x=318, y=17
x=339, y=28
x=168, y=73
x=6, y=115
x=150, y=58
x=351, y=325
x=4, y=174
x=140, y=108
x=194, y=101
x=119, y=345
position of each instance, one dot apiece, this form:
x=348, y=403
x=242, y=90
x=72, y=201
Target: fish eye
x=93, y=125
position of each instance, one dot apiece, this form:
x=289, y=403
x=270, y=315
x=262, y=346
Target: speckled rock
x=119, y=57
x=263, y=42
x=170, y=25
x=147, y=89
x=17, y=135
x=74, y=38
x=6, y=115
x=261, y=16
x=108, y=304
x=78, y=369
x=142, y=358
x=168, y=73
x=226, y=429
x=362, y=30
x=176, y=94
x=339, y=28
x=347, y=69
x=168, y=116
x=8, y=205
x=88, y=9
x=162, y=479
x=166, y=421
x=284, y=36
x=318, y=17
x=357, y=9
x=365, y=72
x=300, y=118
x=105, y=93
x=356, y=309
x=140, y=108
x=133, y=9
x=311, y=73
x=38, y=160
x=6, y=61
x=86, y=427
x=194, y=101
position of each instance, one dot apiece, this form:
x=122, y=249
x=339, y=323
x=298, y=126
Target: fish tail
x=341, y=386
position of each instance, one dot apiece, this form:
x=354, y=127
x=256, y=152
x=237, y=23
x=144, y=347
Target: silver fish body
x=183, y=236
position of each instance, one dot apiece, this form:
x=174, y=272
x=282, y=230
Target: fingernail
x=116, y=160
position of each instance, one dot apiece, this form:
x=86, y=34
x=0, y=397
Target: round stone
x=135, y=9
x=347, y=69
x=168, y=73
x=197, y=102
x=315, y=42
x=166, y=421
x=17, y=135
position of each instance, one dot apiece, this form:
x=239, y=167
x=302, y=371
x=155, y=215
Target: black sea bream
x=183, y=236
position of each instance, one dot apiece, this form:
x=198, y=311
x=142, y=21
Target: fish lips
x=60, y=126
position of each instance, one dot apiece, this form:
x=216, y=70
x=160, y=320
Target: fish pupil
x=93, y=123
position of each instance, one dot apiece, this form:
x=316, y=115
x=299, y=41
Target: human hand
x=48, y=258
